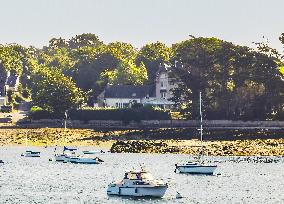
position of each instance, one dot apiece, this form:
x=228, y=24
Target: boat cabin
x=138, y=175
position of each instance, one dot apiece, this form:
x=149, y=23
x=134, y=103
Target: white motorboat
x=81, y=159
x=29, y=153
x=197, y=167
x=138, y=184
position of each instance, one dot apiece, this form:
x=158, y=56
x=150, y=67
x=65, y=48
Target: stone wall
x=107, y=124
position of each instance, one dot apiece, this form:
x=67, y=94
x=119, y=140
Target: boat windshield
x=138, y=176
x=147, y=176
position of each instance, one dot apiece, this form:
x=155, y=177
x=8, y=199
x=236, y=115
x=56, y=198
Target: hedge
x=44, y=114
x=106, y=114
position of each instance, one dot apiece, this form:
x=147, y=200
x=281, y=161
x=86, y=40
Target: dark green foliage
x=236, y=82
x=125, y=115
x=26, y=93
x=18, y=98
x=55, y=92
x=44, y=114
x=152, y=55
x=6, y=109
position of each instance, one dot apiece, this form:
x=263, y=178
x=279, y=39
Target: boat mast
x=201, y=125
x=26, y=139
x=65, y=126
x=65, y=121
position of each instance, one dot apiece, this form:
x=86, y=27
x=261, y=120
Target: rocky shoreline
x=156, y=141
x=269, y=147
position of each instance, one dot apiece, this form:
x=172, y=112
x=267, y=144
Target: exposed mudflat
x=156, y=141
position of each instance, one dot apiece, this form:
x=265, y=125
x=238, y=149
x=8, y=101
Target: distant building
x=123, y=96
x=3, y=101
x=12, y=82
x=8, y=82
x=3, y=79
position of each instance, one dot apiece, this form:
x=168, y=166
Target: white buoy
x=178, y=195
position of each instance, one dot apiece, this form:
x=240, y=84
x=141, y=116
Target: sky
x=35, y=22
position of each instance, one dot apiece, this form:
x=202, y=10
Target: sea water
x=38, y=180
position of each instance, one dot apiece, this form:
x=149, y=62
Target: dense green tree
x=11, y=58
x=18, y=60
x=84, y=40
x=235, y=80
x=53, y=91
x=121, y=50
x=152, y=55
x=57, y=43
x=126, y=73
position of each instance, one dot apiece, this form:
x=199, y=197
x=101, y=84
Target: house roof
x=129, y=91
x=162, y=68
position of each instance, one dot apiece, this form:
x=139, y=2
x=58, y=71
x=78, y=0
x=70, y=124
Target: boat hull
x=197, y=169
x=83, y=161
x=31, y=154
x=91, y=152
x=61, y=158
x=157, y=191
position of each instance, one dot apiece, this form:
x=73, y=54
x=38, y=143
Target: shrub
x=125, y=115
x=26, y=93
x=18, y=98
x=16, y=106
x=37, y=113
x=6, y=109
x=35, y=108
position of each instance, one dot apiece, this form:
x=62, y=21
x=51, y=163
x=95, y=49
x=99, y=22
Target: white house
x=3, y=101
x=123, y=96
x=8, y=82
x=12, y=82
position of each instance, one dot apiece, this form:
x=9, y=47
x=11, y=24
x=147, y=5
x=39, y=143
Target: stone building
x=157, y=94
x=8, y=82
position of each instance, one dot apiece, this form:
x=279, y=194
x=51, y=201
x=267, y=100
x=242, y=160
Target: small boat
x=1, y=162
x=69, y=155
x=93, y=152
x=61, y=157
x=64, y=156
x=81, y=159
x=29, y=153
x=138, y=184
x=197, y=167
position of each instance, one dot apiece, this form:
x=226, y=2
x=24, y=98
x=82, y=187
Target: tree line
x=237, y=82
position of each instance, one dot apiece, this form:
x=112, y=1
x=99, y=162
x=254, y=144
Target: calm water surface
x=37, y=180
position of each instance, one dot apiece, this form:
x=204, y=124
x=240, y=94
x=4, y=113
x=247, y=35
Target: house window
x=116, y=105
x=162, y=84
x=163, y=94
